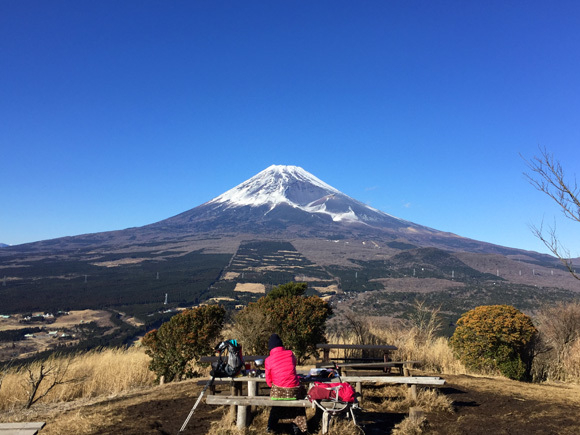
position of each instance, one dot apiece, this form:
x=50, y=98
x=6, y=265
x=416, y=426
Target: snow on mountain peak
x=297, y=188
x=271, y=187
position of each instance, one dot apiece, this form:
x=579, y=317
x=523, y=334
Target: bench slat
x=18, y=431
x=23, y=425
x=386, y=347
x=25, y=428
x=257, y=401
x=372, y=365
x=416, y=380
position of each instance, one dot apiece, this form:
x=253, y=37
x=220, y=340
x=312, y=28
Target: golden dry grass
x=571, y=363
x=250, y=288
x=97, y=373
x=435, y=355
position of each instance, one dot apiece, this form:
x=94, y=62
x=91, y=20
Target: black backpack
x=230, y=364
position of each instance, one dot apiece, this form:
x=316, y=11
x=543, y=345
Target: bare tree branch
x=550, y=240
x=548, y=177
x=52, y=371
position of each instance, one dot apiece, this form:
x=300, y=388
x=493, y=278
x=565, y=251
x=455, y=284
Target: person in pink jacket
x=281, y=377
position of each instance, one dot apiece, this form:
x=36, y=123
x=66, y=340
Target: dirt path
x=497, y=406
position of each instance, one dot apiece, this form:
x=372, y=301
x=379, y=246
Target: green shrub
x=299, y=321
x=495, y=338
x=188, y=335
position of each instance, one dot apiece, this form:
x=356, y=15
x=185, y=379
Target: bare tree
x=47, y=374
x=356, y=329
x=547, y=176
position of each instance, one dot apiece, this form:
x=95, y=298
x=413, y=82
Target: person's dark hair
x=274, y=341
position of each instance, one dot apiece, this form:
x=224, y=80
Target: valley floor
x=481, y=406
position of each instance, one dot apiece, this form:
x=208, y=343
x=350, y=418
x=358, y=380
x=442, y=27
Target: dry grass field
x=101, y=318
x=250, y=288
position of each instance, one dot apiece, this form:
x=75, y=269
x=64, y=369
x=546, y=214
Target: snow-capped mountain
x=295, y=187
x=289, y=201
x=284, y=202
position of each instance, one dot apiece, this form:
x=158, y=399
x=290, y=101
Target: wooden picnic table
x=327, y=347
x=239, y=403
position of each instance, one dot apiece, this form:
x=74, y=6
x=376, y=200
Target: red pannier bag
x=325, y=390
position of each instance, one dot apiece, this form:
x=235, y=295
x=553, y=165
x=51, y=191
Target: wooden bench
x=257, y=401
x=27, y=428
x=411, y=381
x=242, y=402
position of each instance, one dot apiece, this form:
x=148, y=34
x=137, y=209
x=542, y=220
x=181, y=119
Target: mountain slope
x=285, y=198
x=288, y=202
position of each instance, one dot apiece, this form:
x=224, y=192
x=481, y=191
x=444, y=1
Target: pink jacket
x=281, y=368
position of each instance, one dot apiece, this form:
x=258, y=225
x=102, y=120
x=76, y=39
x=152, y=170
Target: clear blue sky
x=116, y=114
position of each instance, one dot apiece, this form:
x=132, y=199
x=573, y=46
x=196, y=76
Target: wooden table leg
x=386, y=359
x=252, y=389
x=358, y=389
x=325, y=421
x=234, y=392
x=242, y=410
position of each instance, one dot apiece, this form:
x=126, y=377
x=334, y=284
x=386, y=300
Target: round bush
x=495, y=338
x=186, y=336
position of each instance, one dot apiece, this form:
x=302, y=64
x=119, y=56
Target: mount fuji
x=291, y=185
x=281, y=202
x=287, y=201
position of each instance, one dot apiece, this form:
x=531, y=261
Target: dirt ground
x=480, y=406
x=498, y=406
